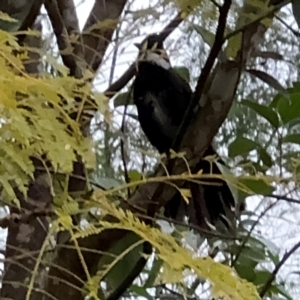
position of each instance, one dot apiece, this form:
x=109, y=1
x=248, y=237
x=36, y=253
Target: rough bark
x=96, y=36
x=69, y=15
x=25, y=240
x=18, y=10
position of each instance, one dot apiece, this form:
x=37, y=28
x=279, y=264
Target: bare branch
x=216, y=48
x=284, y=198
x=69, y=15
x=96, y=38
x=294, y=32
x=63, y=41
x=247, y=237
x=272, y=277
x=30, y=19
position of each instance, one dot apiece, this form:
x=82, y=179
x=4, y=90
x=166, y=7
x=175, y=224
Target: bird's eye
x=160, y=52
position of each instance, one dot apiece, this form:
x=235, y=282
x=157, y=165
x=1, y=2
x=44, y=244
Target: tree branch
x=131, y=71
x=284, y=198
x=30, y=19
x=68, y=13
x=63, y=40
x=96, y=36
x=247, y=237
x=272, y=277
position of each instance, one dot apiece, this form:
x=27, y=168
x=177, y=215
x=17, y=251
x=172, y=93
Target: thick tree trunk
x=24, y=242
x=25, y=239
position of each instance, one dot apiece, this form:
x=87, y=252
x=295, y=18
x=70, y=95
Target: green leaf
x=245, y=272
x=153, y=273
x=280, y=290
x=125, y=98
x=270, y=245
x=241, y=146
x=268, y=79
x=254, y=253
x=183, y=72
x=116, y=275
x=292, y=138
x=261, y=277
x=293, y=123
x=275, y=258
x=134, y=175
x=107, y=183
x=252, y=167
x=248, y=222
x=274, y=102
x=266, y=112
x=265, y=157
x=139, y=291
x=231, y=179
x=255, y=186
x=296, y=86
x=249, y=257
x=207, y=36
x=289, y=109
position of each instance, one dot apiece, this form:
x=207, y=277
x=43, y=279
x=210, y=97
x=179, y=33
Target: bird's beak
x=137, y=45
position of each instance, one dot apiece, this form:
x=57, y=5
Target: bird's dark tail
x=211, y=199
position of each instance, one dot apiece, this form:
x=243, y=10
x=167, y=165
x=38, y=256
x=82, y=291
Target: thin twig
x=241, y=248
x=215, y=3
x=123, y=155
x=272, y=277
x=205, y=232
x=295, y=32
x=284, y=198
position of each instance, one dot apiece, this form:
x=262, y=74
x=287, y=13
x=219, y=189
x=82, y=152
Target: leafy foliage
x=35, y=121
x=224, y=281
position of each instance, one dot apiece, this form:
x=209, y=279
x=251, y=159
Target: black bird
x=162, y=96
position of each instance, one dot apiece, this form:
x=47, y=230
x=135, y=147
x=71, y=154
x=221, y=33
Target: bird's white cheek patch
x=158, y=59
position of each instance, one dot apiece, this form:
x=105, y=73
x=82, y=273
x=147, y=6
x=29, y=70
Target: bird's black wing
x=161, y=97
x=211, y=200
